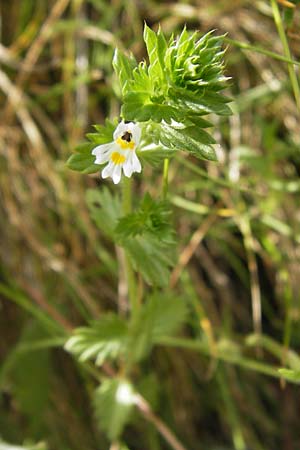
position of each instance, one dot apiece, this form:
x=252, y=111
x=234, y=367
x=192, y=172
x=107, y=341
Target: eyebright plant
x=164, y=101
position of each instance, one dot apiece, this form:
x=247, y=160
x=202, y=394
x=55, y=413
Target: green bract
x=182, y=82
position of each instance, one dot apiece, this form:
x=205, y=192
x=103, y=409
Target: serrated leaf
x=104, y=208
x=170, y=313
x=106, y=130
x=151, y=258
x=29, y=376
x=82, y=162
x=290, y=375
x=151, y=217
x=103, y=339
x=151, y=44
x=98, y=139
x=141, y=81
x=139, y=107
x=198, y=121
x=114, y=402
x=161, y=49
x=155, y=155
x=156, y=46
x=201, y=104
x=162, y=315
x=123, y=66
x=189, y=139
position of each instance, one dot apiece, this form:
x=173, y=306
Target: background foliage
x=237, y=221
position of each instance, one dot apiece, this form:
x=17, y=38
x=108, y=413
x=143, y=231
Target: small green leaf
x=151, y=258
x=104, y=208
x=139, y=107
x=151, y=44
x=170, y=313
x=98, y=139
x=191, y=139
x=151, y=217
x=156, y=47
x=201, y=104
x=162, y=315
x=114, y=402
x=198, y=121
x=123, y=66
x=29, y=377
x=155, y=155
x=106, y=130
x=83, y=162
x=161, y=49
x=290, y=375
x=103, y=339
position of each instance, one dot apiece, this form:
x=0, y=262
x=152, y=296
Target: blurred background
x=237, y=223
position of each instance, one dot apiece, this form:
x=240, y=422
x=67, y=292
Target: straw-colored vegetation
x=217, y=384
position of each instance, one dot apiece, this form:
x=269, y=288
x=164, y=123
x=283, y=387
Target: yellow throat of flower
x=124, y=144
x=117, y=158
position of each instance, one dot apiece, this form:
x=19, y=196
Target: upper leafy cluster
x=169, y=96
x=181, y=83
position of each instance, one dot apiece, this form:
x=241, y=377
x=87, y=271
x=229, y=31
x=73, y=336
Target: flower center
x=125, y=141
x=117, y=158
x=127, y=136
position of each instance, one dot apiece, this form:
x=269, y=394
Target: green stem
x=126, y=195
x=287, y=53
x=165, y=178
x=246, y=363
x=131, y=282
x=263, y=51
x=287, y=333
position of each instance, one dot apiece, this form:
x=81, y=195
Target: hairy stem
x=161, y=427
x=130, y=277
x=165, y=178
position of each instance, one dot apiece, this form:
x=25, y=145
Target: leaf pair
x=111, y=337
x=146, y=234
x=151, y=217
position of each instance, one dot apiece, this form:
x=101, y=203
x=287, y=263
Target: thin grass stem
x=287, y=53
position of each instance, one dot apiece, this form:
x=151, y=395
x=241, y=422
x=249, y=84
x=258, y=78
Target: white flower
x=120, y=154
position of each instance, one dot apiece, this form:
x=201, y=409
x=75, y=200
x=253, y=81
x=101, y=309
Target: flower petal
x=120, y=130
x=108, y=170
x=127, y=166
x=102, y=152
x=136, y=163
x=116, y=175
x=136, y=132
x=132, y=164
